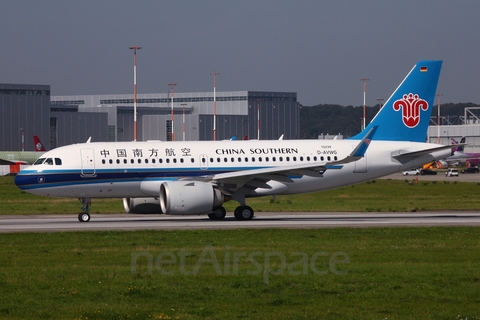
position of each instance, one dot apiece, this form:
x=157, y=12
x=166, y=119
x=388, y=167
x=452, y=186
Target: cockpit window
x=49, y=161
x=39, y=161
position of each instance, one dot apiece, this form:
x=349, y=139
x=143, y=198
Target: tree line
x=347, y=120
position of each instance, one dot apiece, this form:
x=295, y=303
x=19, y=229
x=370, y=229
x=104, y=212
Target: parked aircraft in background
x=464, y=158
x=455, y=142
x=197, y=177
x=452, y=160
x=15, y=159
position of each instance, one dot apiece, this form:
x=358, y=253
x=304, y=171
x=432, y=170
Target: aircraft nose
x=23, y=180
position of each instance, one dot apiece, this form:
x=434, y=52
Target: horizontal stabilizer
x=407, y=154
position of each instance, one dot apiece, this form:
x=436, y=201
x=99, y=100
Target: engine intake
x=189, y=197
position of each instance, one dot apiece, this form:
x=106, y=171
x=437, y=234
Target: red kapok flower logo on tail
x=410, y=105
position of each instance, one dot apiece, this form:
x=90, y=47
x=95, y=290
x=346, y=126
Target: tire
x=83, y=217
x=218, y=214
x=244, y=213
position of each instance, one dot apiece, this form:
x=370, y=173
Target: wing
x=258, y=178
x=5, y=162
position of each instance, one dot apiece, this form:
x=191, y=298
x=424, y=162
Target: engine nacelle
x=142, y=205
x=189, y=197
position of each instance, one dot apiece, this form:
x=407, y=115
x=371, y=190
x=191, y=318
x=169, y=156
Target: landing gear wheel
x=84, y=217
x=218, y=214
x=244, y=213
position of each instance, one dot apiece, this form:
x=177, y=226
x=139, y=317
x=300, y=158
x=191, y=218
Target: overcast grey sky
x=319, y=49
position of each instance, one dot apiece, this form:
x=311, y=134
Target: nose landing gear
x=85, y=216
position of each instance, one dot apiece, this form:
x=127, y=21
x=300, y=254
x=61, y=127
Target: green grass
x=340, y=273
x=390, y=273
x=375, y=196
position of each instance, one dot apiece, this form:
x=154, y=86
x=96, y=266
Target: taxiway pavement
x=58, y=223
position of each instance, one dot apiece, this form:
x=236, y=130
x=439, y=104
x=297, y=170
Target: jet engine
x=189, y=197
x=142, y=205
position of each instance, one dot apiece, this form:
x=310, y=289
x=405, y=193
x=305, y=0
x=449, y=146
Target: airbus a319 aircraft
x=197, y=177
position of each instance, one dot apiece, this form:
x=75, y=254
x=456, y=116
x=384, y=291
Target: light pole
x=135, y=48
x=438, y=118
x=272, y=125
x=23, y=139
x=364, y=106
x=172, y=85
x=380, y=101
x=258, y=119
x=183, y=118
x=215, y=105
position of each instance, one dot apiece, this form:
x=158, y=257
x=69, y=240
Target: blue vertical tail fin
x=406, y=114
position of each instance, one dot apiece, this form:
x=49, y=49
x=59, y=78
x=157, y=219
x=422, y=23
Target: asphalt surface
x=51, y=223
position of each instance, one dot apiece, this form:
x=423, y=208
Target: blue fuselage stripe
x=29, y=180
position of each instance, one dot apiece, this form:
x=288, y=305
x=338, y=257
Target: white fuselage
x=136, y=169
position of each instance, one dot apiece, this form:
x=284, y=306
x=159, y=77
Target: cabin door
x=361, y=164
x=88, y=162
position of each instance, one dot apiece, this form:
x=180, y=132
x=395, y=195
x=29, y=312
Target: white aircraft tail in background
x=197, y=177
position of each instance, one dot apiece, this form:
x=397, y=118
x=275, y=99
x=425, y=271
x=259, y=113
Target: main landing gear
x=240, y=213
x=85, y=216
